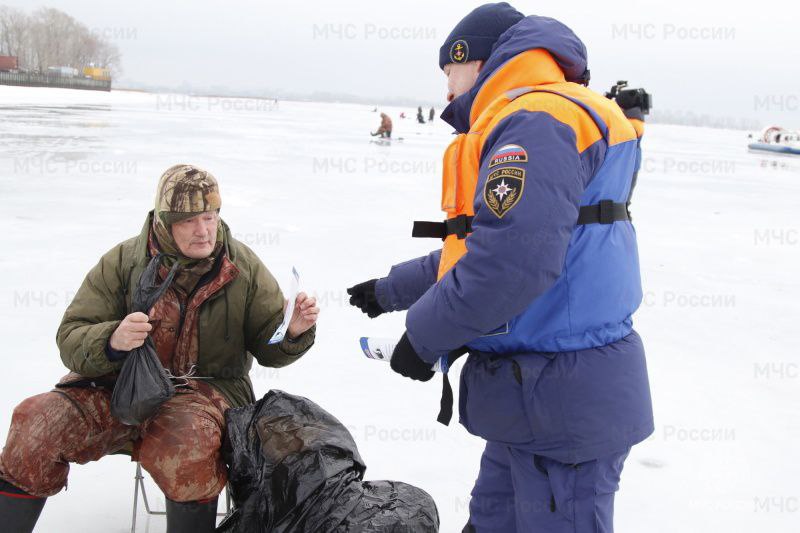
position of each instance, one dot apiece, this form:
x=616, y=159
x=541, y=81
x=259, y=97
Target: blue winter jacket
x=555, y=366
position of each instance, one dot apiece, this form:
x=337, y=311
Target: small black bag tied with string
x=143, y=384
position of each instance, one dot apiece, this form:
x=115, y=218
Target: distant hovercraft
x=777, y=140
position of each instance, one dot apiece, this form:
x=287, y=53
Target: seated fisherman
x=385, y=129
x=220, y=311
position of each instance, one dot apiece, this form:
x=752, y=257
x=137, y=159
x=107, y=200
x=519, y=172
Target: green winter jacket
x=252, y=313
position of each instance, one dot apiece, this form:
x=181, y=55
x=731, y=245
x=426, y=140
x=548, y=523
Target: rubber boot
x=19, y=511
x=192, y=517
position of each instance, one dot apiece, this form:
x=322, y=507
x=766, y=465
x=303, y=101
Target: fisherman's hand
x=406, y=362
x=363, y=297
x=304, y=315
x=130, y=333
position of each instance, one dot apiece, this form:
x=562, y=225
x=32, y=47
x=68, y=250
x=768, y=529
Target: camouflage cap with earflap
x=185, y=191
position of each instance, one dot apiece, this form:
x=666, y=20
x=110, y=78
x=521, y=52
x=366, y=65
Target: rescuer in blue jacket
x=538, y=276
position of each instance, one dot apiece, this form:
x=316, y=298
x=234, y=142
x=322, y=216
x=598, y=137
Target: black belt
x=604, y=212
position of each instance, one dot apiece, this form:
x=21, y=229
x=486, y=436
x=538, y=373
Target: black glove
x=363, y=297
x=406, y=362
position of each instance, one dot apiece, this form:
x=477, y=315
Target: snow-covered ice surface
x=303, y=185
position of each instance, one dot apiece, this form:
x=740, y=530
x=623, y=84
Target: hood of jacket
x=514, y=63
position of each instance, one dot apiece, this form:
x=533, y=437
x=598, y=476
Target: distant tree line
x=51, y=38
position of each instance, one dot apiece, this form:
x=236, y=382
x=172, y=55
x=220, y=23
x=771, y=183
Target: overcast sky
x=732, y=60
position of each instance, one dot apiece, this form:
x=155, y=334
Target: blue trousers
x=520, y=492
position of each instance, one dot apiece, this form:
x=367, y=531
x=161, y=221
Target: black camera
x=630, y=98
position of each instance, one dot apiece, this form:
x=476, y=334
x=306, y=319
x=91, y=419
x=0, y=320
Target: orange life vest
x=531, y=81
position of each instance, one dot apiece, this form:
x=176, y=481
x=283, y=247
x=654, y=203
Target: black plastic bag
x=295, y=468
x=143, y=384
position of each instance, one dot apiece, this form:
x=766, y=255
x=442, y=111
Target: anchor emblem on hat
x=459, y=52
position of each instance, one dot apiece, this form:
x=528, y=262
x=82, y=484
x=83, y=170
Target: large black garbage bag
x=143, y=384
x=295, y=468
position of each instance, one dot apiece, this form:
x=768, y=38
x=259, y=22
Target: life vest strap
x=605, y=212
x=446, y=401
x=459, y=226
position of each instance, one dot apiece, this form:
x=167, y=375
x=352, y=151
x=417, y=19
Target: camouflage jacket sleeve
x=94, y=313
x=264, y=313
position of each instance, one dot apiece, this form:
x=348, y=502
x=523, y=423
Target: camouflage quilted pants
x=179, y=446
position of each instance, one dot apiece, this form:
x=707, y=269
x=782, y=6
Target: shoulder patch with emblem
x=503, y=189
x=510, y=153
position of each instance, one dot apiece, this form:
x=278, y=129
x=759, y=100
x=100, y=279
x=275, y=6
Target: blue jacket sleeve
x=407, y=281
x=518, y=244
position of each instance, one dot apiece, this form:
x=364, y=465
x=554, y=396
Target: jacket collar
x=535, y=51
x=528, y=69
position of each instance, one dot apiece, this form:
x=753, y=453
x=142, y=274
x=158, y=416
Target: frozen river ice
x=303, y=185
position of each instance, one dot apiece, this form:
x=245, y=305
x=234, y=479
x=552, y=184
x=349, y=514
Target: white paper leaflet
x=280, y=333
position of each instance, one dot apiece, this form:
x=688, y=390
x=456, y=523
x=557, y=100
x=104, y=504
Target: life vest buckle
x=459, y=226
x=603, y=212
x=606, y=212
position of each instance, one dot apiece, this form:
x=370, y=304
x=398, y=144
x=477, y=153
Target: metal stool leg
x=139, y=482
x=136, y=479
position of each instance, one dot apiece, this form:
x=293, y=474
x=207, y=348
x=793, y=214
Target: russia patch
x=503, y=189
x=510, y=153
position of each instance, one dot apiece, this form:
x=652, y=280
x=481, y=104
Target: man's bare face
x=461, y=77
x=196, y=236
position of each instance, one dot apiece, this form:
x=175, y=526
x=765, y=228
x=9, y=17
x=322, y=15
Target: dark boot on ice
x=19, y=511
x=191, y=517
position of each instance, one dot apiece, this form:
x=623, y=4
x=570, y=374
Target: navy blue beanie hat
x=473, y=38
